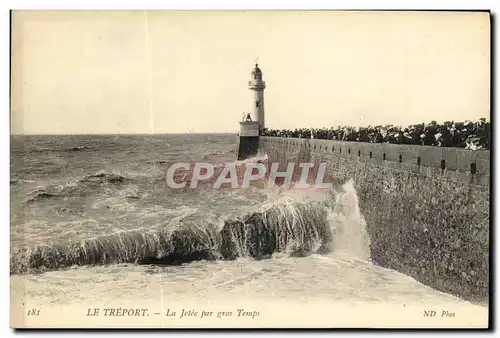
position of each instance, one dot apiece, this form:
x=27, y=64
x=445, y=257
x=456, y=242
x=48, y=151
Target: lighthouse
x=253, y=123
x=257, y=86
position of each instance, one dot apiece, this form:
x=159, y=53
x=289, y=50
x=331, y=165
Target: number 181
x=33, y=312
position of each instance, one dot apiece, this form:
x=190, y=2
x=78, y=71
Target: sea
x=92, y=222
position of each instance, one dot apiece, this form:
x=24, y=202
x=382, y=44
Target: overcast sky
x=171, y=72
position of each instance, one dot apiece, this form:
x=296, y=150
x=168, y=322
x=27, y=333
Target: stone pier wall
x=427, y=209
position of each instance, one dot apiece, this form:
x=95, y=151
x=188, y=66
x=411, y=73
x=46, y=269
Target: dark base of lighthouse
x=248, y=146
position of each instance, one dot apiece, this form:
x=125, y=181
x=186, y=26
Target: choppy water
x=91, y=219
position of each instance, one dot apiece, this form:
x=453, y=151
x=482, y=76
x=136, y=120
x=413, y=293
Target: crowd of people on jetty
x=469, y=135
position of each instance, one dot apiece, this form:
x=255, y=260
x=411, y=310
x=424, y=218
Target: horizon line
x=114, y=134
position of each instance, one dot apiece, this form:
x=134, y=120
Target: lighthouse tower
x=257, y=86
x=251, y=128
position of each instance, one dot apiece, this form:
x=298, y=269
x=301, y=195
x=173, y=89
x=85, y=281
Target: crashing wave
x=75, y=187
x=40, y=195
x=79, y=148
x=103, y=176
x=297, y=228
x=15, y=181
